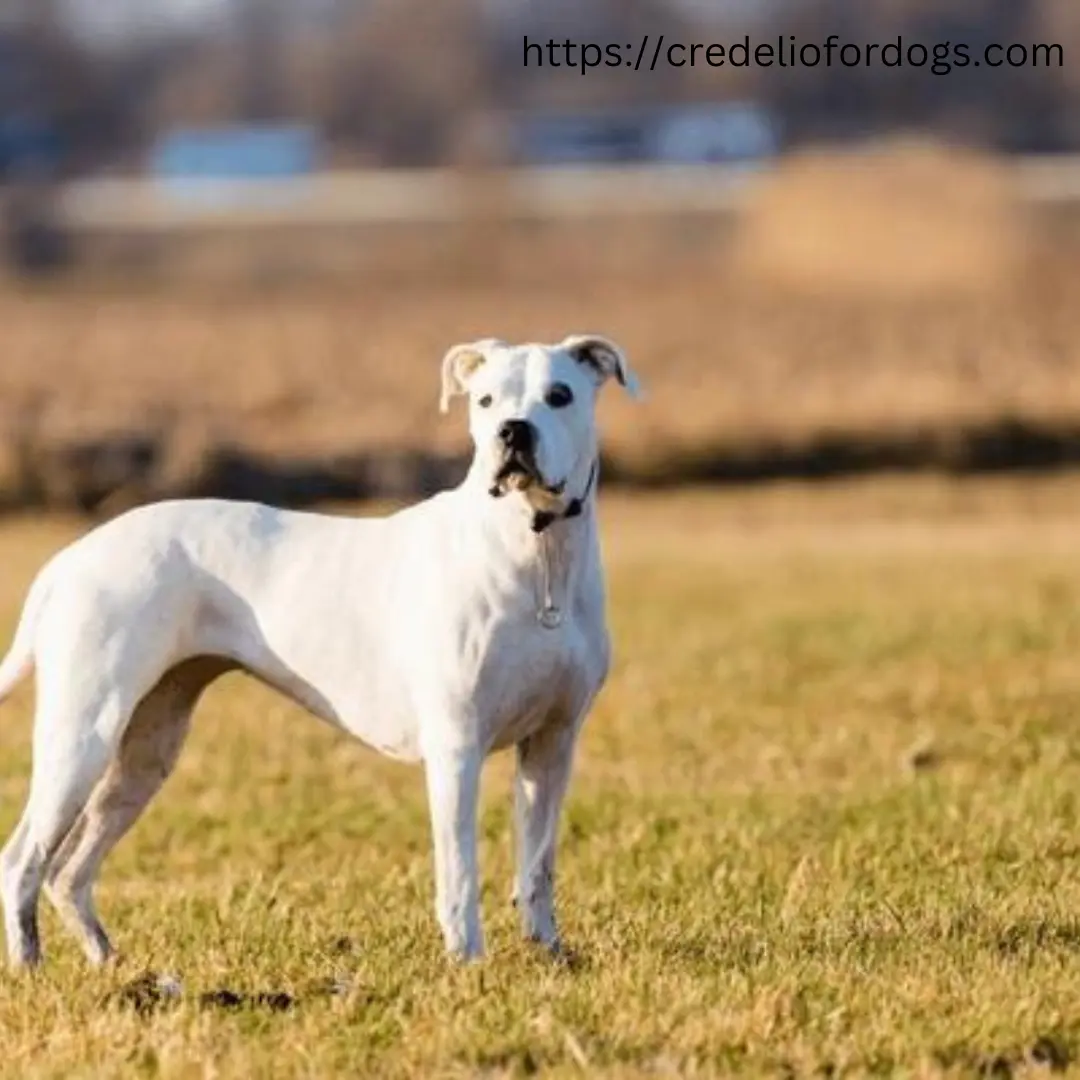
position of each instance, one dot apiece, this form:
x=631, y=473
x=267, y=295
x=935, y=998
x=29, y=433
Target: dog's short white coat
x=417, y=632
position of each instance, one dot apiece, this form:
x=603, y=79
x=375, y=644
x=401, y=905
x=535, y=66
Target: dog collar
x=543, y=519
x=549, y=614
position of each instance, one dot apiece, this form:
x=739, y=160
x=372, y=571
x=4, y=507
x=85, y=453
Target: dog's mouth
x=519, y=473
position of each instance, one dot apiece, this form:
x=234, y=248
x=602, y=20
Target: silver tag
x=550, y=618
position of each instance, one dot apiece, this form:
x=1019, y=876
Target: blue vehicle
x=30, y=144
x=29, y=148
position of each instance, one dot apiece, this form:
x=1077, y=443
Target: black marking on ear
x=594, y=353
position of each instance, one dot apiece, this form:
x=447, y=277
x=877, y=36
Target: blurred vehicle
x=31, y=160
x=726, y=133
x=30, y=147
x=721, y=134
x=30, y=144
x=208, y=163
x=580, y=138
x=254, y=152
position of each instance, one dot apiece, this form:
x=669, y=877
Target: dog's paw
x=465, y=948
x=550, y=944
x=465, y=956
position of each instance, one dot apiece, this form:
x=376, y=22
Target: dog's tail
x=20, y=657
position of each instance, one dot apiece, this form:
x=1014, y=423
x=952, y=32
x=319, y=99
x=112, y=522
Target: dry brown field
x=898, y=311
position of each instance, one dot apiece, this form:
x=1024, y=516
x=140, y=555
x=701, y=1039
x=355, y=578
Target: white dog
x=462, y=625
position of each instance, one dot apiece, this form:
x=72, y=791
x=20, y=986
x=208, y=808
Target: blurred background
x=238, y=236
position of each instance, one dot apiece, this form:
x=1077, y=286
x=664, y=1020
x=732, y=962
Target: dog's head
x=532, y=408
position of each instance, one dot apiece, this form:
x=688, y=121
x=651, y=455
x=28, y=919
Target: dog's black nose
x=517, y=436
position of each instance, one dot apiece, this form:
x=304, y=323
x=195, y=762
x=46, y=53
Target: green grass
x=825, y=821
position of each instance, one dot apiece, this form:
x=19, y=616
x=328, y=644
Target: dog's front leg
x=453, y=782
x=544, y=761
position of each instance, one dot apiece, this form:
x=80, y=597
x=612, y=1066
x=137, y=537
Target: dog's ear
x=459, y=365
x=604, y=360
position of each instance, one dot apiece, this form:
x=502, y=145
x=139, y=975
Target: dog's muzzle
x=514, y=474
x=521, y=474
x=517, y=469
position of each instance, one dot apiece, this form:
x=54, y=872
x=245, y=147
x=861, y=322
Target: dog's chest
x=528, y=674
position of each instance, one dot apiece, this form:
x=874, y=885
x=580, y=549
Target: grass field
x=825, y=821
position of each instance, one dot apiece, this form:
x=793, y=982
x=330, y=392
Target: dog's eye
x=485, y=401
x=559, y=396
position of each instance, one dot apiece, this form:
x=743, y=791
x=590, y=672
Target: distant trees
x=406, y=81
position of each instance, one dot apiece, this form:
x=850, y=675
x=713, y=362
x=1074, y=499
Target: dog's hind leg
x=148, y=753
x=73, y=744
